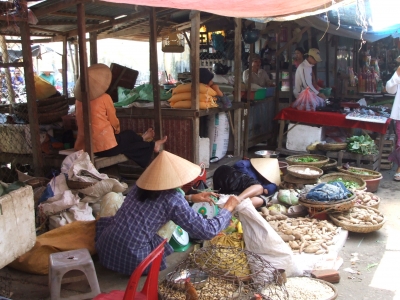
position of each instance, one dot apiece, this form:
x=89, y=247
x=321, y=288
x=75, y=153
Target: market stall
x=328, y=119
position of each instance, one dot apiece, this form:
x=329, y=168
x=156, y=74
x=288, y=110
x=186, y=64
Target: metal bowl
x=267, y=153
x=197, y=278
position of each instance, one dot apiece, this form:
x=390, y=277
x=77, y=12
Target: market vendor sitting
x=254, y=179
x=124, y=240
x=259, y=76
x=206, y=77
x=107, y=140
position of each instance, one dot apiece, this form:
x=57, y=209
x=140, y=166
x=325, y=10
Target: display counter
x=327, y=119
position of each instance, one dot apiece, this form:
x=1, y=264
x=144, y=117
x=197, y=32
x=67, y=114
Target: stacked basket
x=49, y=110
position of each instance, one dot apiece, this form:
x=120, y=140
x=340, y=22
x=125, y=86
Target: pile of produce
x=306, y=159
x=307, y=171
x=305, y=234
x=367, y=199
x=349, y=184
x=360, y=215
x=362, y=144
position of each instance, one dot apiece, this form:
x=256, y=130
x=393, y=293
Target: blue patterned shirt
x=126, y=239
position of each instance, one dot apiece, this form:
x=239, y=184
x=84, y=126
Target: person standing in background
x=17, y=79
x=393, y=87
x=46, y=74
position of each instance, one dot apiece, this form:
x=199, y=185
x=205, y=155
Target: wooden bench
x=100, y=162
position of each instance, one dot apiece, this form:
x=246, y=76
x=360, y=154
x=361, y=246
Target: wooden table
x=327, y=119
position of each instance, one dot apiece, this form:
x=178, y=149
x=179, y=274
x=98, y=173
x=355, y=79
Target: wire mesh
x=220, y=272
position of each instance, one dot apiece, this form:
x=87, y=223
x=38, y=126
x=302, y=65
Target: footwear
x=396, y=177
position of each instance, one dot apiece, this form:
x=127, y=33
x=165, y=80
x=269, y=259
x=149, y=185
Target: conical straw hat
x=168, y=171
x=268, y=168
x=99, y=81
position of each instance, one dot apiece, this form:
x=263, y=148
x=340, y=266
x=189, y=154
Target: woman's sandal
x=396, y=177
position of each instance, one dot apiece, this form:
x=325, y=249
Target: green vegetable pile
x=362, y=144
x=349, y=184
x=305, y=159
x=359, y=172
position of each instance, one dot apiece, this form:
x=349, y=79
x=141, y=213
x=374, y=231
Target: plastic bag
x=126, y=96
x=307, y=100
x=262, y=239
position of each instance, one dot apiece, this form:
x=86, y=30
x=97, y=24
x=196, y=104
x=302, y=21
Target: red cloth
x=328, y=119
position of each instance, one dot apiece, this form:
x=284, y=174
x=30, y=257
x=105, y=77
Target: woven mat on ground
x=76, y=235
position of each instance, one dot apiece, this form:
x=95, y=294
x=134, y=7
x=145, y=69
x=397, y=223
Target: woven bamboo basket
x=294, y=171
x=331, y=165
x=371, y=175
x=340, y=205
x=332, y=146
x=356, y=227
x=78, y=185
x=292, y=179
x=335, y=295
x=45, y=117
x=53, y=107
x=333, y=176
x=322, y=160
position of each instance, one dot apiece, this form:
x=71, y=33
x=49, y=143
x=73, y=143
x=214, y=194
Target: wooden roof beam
x=73, y=15
x=47, y=30
x=56, y=7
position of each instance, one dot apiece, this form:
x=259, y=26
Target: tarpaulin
x=329, y=119
x=243, y=8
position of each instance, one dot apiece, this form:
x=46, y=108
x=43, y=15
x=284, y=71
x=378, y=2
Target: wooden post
x=247, y=107
x=76, y=60
x=335, y=79
x=64, y=66
x=154, y=73
x=278, y=72
x=73, y=61
x=11, y=94
x=30, y=91
x=327, y=60
x=237, y=135
x=194, y=69
x=93, y=47
x=289, y=56
x=84, y=80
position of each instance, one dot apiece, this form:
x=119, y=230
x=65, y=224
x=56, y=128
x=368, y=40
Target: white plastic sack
x=79, y=212
x=95, y=192
x=69, y=160
x=110, y=203
x=218, y=133
x=262, y=239
x=59, y=202
x=83, y=163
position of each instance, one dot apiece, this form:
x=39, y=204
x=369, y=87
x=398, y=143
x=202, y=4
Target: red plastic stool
x=150, y=288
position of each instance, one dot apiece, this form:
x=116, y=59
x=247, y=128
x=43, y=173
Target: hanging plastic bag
x=307, y=100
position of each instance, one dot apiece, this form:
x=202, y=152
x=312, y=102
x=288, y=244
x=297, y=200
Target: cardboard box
x=299, y=137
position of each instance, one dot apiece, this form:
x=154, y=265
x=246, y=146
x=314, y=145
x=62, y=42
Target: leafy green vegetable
x=362, y=144
x=359, y=172
x=349, y=184
x=305, y=159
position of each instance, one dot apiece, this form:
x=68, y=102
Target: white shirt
x=303, y=78
x=393, y=86
x=261, y=77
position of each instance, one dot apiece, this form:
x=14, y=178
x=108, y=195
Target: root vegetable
x=311, y=249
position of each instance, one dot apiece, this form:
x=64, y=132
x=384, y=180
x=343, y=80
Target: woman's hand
x=232, y=202
x=398, y=71
x=216, y=88
x=204, y=197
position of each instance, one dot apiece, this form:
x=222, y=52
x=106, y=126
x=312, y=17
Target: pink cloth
x=239, y=8
x=395, y=155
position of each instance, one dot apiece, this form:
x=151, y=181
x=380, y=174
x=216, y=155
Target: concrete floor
x=378, y=264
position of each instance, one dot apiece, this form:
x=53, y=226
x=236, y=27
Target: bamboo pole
x=84, y=80
x=30, y=91
x=154, y=73
x=247, y=106
x=237, y=134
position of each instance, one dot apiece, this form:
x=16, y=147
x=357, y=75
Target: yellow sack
x=43, y=88
x=188, y=96
x=188, y=104
x=223, y=258
x=73, y=236
x=187, y=87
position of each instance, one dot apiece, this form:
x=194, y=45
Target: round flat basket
x=360, y=172
x=49, y=101
x=340, y=205
x=53, y=107
x=78, y=185
x=334, y=176
x=302, y=287
x=296, y=169
x=331, y=165
x=356, y=227
x=322, y=160
x=332, y=146
x=292, y=179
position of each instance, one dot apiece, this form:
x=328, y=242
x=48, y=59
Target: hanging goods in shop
x=173, y=43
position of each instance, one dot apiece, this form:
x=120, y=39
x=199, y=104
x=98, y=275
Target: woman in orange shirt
x=107, y=140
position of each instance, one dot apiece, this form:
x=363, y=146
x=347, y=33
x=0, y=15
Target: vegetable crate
x=358, y=160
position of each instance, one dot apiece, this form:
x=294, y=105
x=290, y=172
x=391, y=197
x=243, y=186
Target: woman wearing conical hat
x=107, y=140
x=124, y=240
